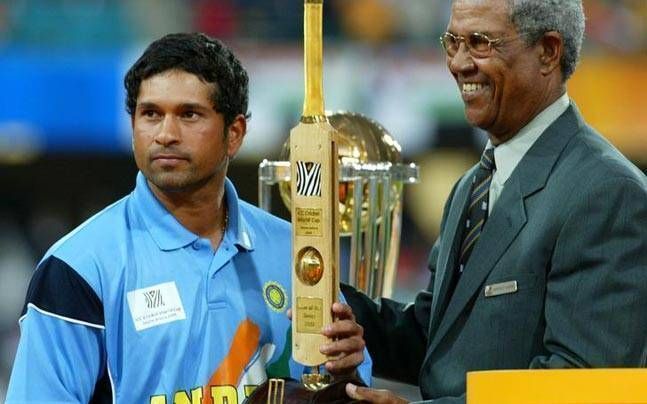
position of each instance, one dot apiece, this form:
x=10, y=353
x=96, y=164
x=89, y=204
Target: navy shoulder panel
x=58, y=289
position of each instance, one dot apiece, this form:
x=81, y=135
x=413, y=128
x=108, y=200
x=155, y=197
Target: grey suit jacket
x=570, y=227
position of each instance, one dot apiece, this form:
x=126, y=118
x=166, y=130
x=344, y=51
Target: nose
x=462, y=61
x=169, y=132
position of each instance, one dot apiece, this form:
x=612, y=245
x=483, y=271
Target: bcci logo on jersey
x=275, y=296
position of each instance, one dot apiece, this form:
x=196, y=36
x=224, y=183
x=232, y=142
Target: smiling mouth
x=471, y=88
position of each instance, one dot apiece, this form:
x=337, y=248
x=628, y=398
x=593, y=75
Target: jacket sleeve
x=443, y=400
x=396, y=334
x=596, y=291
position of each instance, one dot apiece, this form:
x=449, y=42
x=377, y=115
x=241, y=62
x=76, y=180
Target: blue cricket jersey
x=131, y=307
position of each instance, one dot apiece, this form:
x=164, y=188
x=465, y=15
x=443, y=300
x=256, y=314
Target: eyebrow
x=184, y=105
x=485, y=32
x=146, y=105
x=193, y=105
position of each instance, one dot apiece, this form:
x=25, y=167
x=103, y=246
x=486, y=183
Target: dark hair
x=196, y=53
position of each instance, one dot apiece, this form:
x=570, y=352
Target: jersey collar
x=169, y=234
x=237, y=227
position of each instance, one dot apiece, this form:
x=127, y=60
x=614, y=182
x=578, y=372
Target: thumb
x=352, y=392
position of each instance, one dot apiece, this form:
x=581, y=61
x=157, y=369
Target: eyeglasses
x=479, y=45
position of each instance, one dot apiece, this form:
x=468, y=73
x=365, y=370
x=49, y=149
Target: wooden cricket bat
x=315, y=195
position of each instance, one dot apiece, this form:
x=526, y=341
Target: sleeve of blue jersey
x=365, y=370
x=57, y=360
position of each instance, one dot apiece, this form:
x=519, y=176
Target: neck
x=202, y=211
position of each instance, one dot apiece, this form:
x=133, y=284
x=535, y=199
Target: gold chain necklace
x=226, y=221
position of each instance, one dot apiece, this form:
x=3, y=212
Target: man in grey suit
x=542, y=256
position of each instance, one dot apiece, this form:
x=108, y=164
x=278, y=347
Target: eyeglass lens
x=477, y=43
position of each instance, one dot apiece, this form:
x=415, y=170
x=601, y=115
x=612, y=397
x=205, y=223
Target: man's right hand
x=347, y=344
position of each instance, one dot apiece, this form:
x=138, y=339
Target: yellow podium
x=557, y=386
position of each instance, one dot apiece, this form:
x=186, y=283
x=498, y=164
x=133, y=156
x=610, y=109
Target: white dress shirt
x=507, y=155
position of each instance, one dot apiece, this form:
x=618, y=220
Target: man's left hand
x=370, y=395
x=347, y=345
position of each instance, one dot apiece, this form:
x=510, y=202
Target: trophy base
x=315, y=381
x=297, y=393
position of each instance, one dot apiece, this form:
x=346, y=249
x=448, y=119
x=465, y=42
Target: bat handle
x=313, y=104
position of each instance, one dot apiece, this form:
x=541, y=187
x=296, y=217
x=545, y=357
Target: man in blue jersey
x=176, y=293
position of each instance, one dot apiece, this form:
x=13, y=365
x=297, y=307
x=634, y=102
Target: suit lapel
x=449, y=247
x=500, y=230
x=507, y=219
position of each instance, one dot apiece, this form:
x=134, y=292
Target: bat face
x=315, y=236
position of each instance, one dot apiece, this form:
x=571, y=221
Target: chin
x=168, y=181
x=478, y=118
x=475, y=121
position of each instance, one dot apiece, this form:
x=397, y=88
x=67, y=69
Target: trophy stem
x=315, y=381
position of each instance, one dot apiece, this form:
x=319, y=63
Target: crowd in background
x=614, y=27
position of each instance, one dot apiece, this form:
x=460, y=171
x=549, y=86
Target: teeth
x=471, y=87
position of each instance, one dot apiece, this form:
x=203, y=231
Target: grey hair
x=533, y=18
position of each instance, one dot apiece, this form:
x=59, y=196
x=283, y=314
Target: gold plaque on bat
x=309, y=315
x=308, y=222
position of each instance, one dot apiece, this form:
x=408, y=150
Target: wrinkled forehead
x=485, y=16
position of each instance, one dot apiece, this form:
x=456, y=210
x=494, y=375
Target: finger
x=346, y=345
x=342, y=311
x=289, y=313
x=368, y=394
x=352, y=392
x=345, y=363
x=343, y=328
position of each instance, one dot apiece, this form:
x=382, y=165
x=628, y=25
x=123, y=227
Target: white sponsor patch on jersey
x=155, y=305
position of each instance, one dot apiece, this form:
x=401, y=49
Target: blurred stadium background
x=65, y=136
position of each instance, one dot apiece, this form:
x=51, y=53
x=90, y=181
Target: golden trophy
x=341, y=175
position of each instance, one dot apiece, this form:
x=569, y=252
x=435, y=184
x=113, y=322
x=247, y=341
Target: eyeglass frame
x=471, y=50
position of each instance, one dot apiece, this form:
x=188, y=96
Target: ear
x=235, y=134
x=551, y=48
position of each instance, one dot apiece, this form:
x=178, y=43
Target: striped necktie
x=477, y=211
